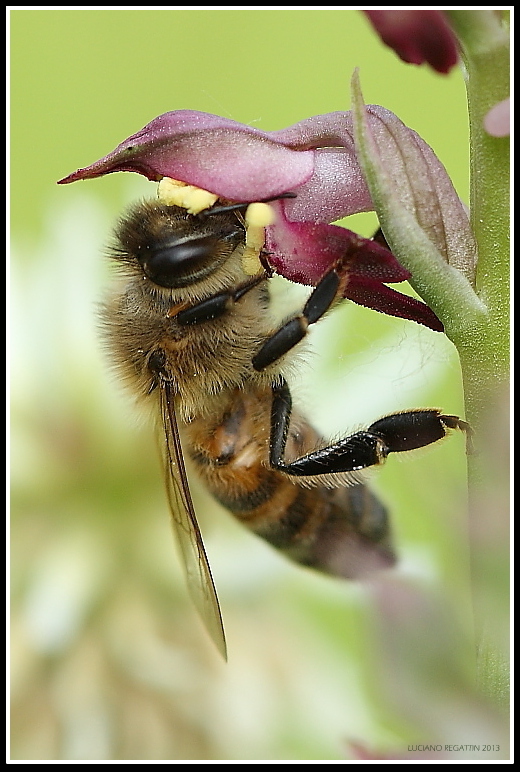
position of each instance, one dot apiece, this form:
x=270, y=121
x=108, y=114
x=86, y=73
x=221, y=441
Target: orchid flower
x=316, y=163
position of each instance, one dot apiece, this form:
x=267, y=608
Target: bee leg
x=358, y=451
x=392, y=434
x=295, y=329
x=217, y=305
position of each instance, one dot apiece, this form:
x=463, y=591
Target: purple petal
x=230, y=159
x=337, y=187
x=417, y=36
x=314, y=158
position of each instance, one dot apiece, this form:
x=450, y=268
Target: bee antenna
x=222, y=209
x=243, y=206
x=289, y=194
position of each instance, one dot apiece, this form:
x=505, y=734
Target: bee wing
x=198, y=573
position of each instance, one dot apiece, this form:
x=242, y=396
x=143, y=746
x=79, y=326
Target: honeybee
x=189, y=330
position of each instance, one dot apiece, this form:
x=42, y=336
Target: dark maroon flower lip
x=418, y=37
x=316, y=161
x=367, y=265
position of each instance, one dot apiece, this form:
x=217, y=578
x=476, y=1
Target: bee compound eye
x=179, y=263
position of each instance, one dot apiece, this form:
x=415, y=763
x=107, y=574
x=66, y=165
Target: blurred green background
x=109, y=660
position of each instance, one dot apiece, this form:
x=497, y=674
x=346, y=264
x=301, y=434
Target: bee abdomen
x=342, y=531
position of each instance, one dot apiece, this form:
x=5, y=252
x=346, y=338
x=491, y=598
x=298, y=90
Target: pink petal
x=220, y=155
x=497, y=120
x=314, y=158
x=337, y=187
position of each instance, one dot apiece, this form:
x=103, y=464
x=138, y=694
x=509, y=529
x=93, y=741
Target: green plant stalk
x=476, y=318
x=484, y=350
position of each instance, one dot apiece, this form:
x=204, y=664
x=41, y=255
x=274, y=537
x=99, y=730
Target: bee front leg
x=217, y=305
x=293, y=331
x=392, y=434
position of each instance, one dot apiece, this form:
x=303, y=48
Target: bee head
x=173, y=248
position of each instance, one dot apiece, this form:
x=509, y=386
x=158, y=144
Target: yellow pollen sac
x=177, y=193
x=258, y=216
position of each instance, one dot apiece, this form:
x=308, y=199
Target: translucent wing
x=200, y=582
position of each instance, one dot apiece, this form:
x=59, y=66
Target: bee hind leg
x=392, y=434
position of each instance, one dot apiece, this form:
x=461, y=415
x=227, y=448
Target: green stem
x=484, y=350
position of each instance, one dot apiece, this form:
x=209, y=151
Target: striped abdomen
x=343, y=531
